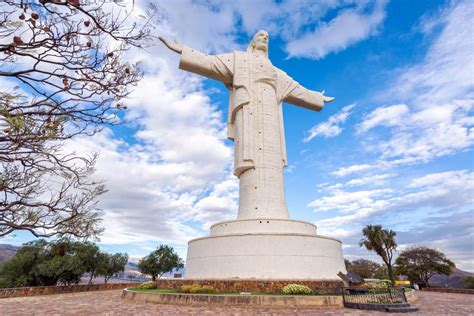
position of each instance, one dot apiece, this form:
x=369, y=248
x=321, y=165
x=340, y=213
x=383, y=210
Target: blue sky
x=394, y=148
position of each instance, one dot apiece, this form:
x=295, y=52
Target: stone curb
x=274, y=301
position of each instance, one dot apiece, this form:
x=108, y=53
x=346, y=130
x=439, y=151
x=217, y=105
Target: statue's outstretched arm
x=218, y=67
x=303, y=97
x=175, y=46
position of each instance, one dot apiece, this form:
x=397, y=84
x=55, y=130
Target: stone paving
x=110, y=303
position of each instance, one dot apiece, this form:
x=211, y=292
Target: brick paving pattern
x=110, y=303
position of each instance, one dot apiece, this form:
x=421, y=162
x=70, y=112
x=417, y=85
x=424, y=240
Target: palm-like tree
x=382, y=241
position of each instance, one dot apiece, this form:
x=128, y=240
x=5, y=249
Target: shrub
x=205, y=289
x=185, y=288
x=196, y=288
x=379, y=286
x=147, y=285
x=297, y=289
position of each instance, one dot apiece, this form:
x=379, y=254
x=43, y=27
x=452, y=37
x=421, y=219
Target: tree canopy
x=163, y=260
x=421, y=263
x=382, y=241
x=469, y=282
x=110, y=265
x=63, y=73
x=63, y=261
x=367, y=269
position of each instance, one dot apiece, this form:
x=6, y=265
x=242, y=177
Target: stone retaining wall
x=254, y=285
x=449, y=290
x=411, y=296
x=47, y=290
x=274, y=301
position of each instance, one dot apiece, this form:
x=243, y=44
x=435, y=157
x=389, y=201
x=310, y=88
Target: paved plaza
x=110, y=303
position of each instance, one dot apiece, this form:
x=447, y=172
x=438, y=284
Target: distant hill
x=132, y=266
x=455, y=280
x=7, y=251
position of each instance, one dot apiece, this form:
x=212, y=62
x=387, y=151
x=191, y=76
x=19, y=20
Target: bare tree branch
x=67, y=58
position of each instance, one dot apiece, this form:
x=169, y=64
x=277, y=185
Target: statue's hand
x=327, y=99
x=174, y=45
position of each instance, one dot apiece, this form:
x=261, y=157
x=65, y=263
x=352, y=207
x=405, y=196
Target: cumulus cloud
x=445, y=178
x=347, y=28
x=168, y=169
x=150, y=199
x=332, y=127
x=212, y=25
x=430, y=116
x=344, y=171
x=420, y=136
x=445, y=194
x=345, y=201
x=385, y=116
x=446, y=72
x=377, y=179
x=436, y=118
x=197, y=24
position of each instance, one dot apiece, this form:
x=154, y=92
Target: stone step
x=401, y=305
x=404, y=309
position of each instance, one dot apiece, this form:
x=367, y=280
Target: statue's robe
x=255, y=123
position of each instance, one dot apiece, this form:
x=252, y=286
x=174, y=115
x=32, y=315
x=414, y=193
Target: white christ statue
x=255, y=120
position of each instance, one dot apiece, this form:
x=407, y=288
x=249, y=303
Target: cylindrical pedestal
x=264, y=250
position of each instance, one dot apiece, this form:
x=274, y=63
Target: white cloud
x=447, y=195
x=199, y=25
x=420, y=136
x=378, y=179
x=453, y=178
x=221, y=204
x=211, y=26
x=332, y=127
x=386, y=116
x=435, y=119
x=344, y=171
x=431, y=117
x=347, y=28
x=169, y=178
x=149, y=199
x=345, y=201
x=446, y=73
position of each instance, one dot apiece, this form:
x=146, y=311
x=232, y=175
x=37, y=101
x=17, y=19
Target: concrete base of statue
x=264, y=249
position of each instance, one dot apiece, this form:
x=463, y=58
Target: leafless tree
x=65, y=64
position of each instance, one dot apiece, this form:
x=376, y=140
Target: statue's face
x=261, y=41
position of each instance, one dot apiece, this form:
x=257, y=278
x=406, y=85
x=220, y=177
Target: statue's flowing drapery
x=255, y=123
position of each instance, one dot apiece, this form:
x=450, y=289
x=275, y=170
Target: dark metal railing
x=374, y=296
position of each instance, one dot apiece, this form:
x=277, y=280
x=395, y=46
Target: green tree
x=110, y=265
x=365, y=268
x=89, y=255
x=469, y=282
x=21, y=270
x=163, y=260
x=421, y=263
x=382, y=273
x=382, y=241
x=42, y=263
x=62, y=261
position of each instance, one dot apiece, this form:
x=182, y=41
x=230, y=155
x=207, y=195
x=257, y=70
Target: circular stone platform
x=262, y=225
x=265, y=249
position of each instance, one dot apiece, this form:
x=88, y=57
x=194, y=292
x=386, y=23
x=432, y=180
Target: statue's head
x=259, y=42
